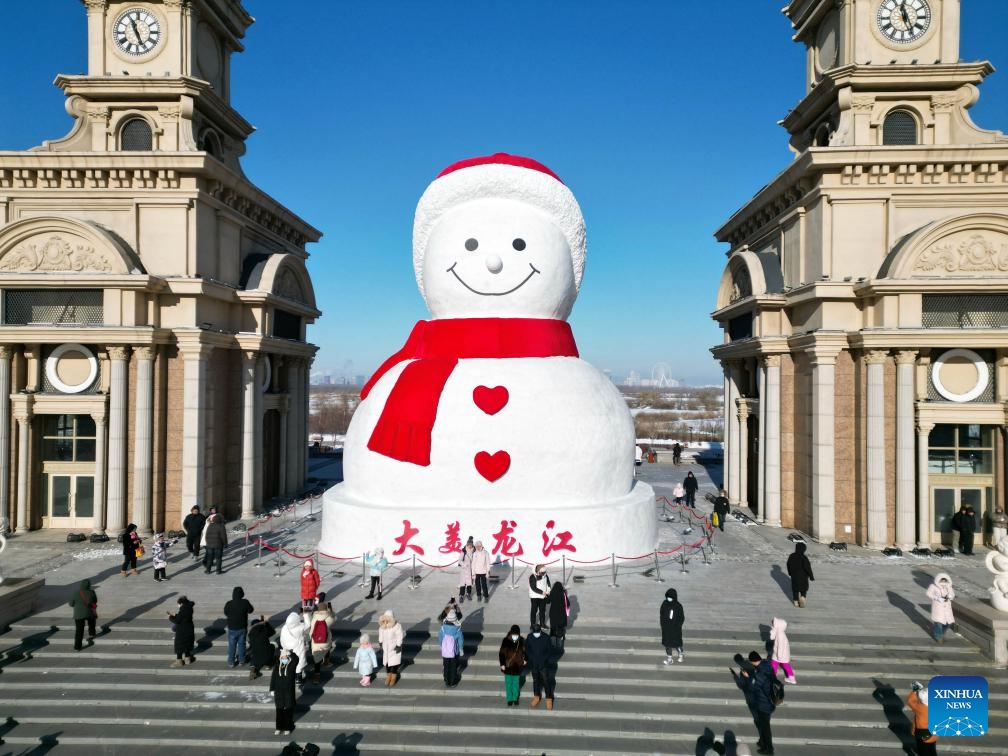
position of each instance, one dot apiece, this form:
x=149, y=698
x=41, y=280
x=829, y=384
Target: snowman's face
x=498, y=258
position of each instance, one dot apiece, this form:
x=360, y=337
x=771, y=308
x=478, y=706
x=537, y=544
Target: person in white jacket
x=781, y=650
x=292, y=638
x=480, y=568
x=941, y=594
x=390, y=638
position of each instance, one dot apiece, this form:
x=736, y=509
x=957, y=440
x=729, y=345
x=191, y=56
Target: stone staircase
x=614, y=695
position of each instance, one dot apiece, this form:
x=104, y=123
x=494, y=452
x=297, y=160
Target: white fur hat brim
x=499, y=179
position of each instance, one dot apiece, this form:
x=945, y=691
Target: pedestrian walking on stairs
x=185, y=632
x=671, y=617
x=800, y=570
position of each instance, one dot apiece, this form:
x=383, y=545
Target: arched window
x=899, y=127
x=210, y=144
x=136, y=135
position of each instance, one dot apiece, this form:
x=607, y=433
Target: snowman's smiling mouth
x=492, y=293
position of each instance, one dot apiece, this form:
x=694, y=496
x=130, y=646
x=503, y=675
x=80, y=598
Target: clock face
x=137, y=31
x=903, y=21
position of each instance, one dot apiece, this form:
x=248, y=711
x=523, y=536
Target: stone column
x=732, y=434
x=117, y=439
x=251, y=433
x=5, y=424
x=761, y=449
x=290, y=475
x=771, y=440
x=98, y=519
x=877, y=520
x=143, y=424
x=194, y=425
x=905, y=494
x=923, y=487
x=24, y=418
x=743, y=455
x=302, y=410
x=823, y=451
x=282, y=456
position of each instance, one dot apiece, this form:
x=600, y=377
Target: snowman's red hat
x=508, y=177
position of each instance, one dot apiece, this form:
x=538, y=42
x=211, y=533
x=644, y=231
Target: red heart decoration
x=490, y=400
x=492, y=466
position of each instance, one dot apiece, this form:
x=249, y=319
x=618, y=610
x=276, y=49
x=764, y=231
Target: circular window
x=71, y=368
x=960, y=375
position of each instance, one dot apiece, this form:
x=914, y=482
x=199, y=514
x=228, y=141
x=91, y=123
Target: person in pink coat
x=781, y=650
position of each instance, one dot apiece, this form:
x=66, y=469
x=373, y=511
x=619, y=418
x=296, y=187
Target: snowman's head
x=499, y=236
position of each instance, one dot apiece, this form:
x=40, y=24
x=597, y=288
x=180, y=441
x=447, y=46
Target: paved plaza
x=856, y=649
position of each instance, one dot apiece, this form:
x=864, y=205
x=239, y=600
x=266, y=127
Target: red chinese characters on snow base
x=505, y=544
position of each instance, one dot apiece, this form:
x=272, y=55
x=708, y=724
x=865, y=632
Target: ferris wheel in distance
x=661, y=375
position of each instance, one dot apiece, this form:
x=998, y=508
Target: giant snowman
x=486, y=423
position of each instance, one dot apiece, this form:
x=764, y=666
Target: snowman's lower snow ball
x=487, y=423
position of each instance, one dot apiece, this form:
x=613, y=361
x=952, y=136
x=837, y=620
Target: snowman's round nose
x=494, y=263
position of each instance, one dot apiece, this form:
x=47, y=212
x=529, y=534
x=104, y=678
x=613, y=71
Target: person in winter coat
x=390, y=639
x=941, y=594
x=159, y=557
x=310, y=582
x=800, y=570
x=678, y=493
x=451, y=642
x=465, y=572
x=216, y=541
x=130, y=543
x=193, y=526
x=84, y=603
x=261, y=650
x=690, y=485
x=480, y=569
x=758, y=678
x=781, y=650
x=512, y=662
x=926, y=742
x=378, y=563
x=559, y=611
x=671, y=617
x=185, y=632
x=538, y=654
x=237, y=612
x=968, y=532
x=292, y=638
x=320, y=635
x=365, y=660
x=283, y=687
x=539, y=586
x=721, y=508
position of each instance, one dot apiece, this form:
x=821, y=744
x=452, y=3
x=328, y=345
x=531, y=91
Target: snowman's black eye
x=471, y=244
x=518, y=244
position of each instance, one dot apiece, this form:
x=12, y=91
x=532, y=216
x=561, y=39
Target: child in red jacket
x=309, y=585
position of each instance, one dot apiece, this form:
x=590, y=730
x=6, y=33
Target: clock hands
x=904, y=14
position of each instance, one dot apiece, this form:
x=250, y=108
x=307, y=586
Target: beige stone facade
x=153, y=301
x=865, y=298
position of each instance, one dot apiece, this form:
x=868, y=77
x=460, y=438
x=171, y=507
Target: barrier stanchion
x=657, y=569
x=259, y=555
x=513, y=585
x=413, y=582
x=279, y=562
x=682, y=560
x=245, y=548
x=613, y=584
x=363, y=577
x=563, y=568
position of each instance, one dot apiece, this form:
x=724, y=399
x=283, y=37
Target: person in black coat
x=758, y=680
x=185, y=632
x=671, y=618
x=690, y=485
x=800, y=570
x=261, y=651
x=541, y=667
x=721, y=508
x=193, y=525
x=558, y=606
x=85, y=610
x=284, y=689
x=130, y=543
x=969, y=529
x=216, y=541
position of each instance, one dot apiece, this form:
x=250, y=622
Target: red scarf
x=404, y=428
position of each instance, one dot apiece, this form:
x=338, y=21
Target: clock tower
x=869, y=58
x=158, y=78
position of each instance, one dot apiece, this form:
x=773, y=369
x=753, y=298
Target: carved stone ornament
x=741, y=285
x=863, y=103
x=288, y=286
x=974, y=254
x=55, y=254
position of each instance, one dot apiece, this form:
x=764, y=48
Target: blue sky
x=661, y=115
